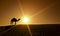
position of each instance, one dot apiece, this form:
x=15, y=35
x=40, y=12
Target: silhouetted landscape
x=36, y=30
x=42, y=15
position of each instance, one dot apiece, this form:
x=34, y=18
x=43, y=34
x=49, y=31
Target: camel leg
x=15, y=23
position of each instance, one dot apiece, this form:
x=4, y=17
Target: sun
x=25, y=20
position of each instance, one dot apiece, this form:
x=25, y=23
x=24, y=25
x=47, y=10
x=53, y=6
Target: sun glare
x=25, y=20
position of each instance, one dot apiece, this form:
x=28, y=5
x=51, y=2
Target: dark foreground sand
x=36, y=30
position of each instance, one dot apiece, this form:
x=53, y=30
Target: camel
x=14, y=20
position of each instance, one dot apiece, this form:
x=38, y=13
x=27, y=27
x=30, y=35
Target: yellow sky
x=43, y=11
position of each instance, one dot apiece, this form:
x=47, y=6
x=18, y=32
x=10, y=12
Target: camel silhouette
x=14, y=20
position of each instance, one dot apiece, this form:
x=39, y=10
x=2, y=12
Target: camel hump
x=13, y=19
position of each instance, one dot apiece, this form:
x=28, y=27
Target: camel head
x=19, y=19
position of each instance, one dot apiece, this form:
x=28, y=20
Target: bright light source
x=25, y=20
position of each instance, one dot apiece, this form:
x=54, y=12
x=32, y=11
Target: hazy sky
x=43, y=11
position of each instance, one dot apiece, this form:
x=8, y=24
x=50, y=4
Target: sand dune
x=36, y=30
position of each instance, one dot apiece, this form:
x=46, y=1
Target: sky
x=39, y=11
